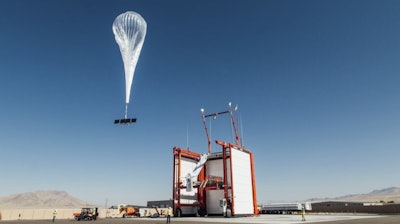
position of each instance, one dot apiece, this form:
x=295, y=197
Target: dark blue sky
x=317, y=84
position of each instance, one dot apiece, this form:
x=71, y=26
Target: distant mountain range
x=41, y=199
x=61, y=199
x=391, y=194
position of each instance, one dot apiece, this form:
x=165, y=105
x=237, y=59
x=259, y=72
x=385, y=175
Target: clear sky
x=317, y=84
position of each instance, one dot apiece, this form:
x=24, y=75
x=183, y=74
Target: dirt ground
x=392, y=219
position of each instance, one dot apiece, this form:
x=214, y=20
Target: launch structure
x=215, y=183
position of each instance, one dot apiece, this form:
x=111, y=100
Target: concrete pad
x=275, y=219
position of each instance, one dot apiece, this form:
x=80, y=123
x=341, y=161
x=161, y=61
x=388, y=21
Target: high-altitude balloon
x=129, y=29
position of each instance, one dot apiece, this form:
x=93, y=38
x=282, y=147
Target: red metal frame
x=177, y=183
x=214, y=115
x=253, y=178
x=207, y=135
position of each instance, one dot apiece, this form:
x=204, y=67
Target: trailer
x=285, y=208
x=214, y=183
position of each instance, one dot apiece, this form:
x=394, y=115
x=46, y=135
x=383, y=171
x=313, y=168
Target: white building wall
x=187, y=166
x=32, y=214
x=215, y=168
x=213, y=198
x=66, y=213
x=242, y=182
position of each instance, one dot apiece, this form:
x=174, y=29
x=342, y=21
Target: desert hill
x=391, y=194
x=41, y=199
x=61, y=199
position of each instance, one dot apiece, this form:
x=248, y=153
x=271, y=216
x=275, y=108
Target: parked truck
x=285, y=208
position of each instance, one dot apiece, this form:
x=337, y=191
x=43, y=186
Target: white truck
x=285, y=208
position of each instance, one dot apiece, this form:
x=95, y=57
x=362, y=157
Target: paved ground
x=264, y=219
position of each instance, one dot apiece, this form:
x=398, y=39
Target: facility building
x=226, y=180
x=355, y=207
x=159, y=204
x=215, y=183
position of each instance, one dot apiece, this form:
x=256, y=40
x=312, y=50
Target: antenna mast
x=233, y=123
x=205, y=127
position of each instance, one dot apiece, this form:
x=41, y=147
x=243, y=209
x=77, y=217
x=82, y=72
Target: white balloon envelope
x=129, y=29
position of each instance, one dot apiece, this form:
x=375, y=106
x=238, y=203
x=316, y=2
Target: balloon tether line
x=126, y=111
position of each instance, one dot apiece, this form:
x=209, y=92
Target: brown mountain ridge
x=391, y=194
x=61, y=199
x=41, y=199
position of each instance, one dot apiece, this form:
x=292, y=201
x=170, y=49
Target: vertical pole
x=233, y=124
x=239, y=126
x=253, y=182
x=201, y=196
x=232, y=181
x=205, y=127
x=178, y=179
x=174, y=182
x=225, y=172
